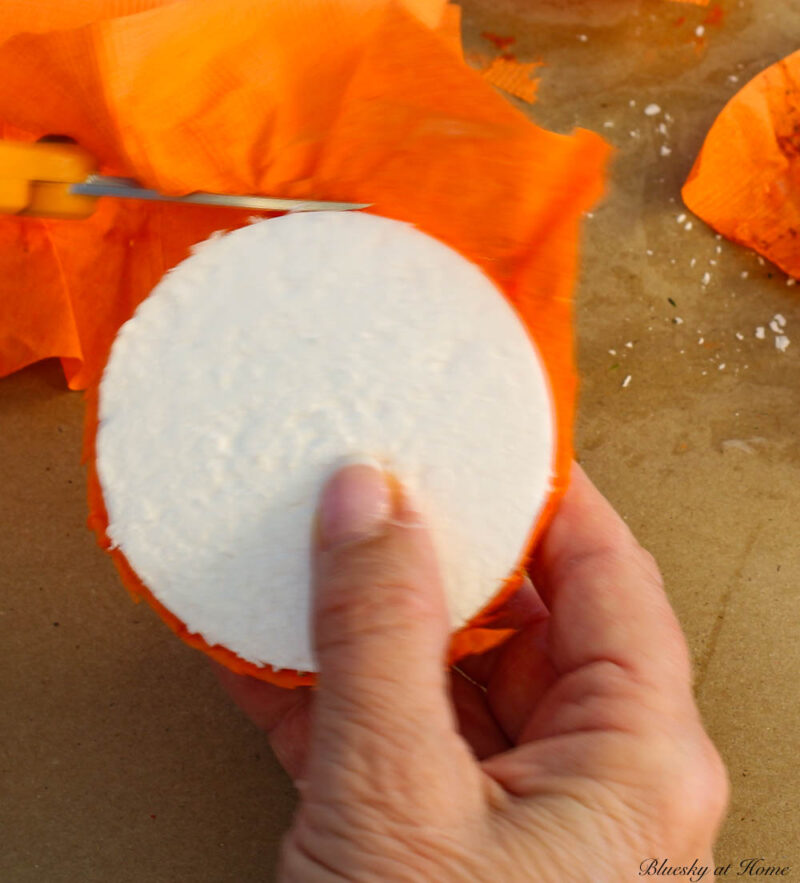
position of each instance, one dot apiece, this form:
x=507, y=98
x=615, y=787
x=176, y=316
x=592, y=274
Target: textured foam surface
x=274, y=353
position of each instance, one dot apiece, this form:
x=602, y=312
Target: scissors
x=58, y=179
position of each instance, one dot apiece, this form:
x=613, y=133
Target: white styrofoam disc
x=277, y=351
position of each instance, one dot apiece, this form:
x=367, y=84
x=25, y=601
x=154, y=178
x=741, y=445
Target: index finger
x=605, y=593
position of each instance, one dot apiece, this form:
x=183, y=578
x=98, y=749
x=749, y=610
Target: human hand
x=574, y=752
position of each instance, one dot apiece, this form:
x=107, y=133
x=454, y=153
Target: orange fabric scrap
x=746, y=181
x=515, y=77
x=363, y=101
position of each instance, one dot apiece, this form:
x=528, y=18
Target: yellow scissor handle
x=35, y=178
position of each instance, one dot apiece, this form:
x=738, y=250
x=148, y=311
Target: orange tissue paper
x=746, y=181
x=356, y=100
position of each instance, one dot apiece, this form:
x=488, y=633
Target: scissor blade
x=127, y=188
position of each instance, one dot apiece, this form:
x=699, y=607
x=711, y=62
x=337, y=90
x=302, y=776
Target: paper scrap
x=745, y=181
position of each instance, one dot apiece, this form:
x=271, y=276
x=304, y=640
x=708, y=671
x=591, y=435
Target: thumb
x=380, y=621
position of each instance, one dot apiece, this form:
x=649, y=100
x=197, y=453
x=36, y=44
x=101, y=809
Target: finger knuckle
x=648, y=565
x=688, y=784
x=362, y=610
x=619, y=552
x=715, y=783
x=376, y=587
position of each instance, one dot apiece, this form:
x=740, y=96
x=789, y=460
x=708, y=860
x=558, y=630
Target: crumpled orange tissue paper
x=356, y=100
x=746, y=180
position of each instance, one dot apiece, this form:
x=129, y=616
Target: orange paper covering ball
x=337, y=335
x=375, y=106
